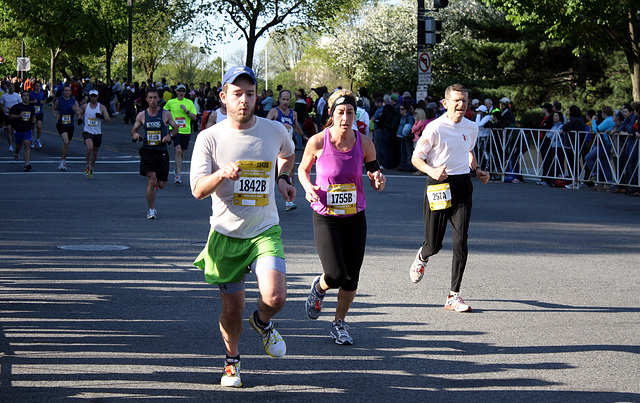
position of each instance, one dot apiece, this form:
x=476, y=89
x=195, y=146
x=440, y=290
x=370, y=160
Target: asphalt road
x=553, y=278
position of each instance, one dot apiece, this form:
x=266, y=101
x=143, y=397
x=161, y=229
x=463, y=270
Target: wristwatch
x=285, y=176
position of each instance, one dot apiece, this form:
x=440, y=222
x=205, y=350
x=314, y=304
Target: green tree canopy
x=378, y=49
x=55, y=25
x=593, y=26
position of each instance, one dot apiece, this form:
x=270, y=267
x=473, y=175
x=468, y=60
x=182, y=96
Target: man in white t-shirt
x=240, y=162
x=7, y=101
x=445, y=153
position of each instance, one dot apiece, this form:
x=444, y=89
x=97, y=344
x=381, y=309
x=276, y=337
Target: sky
x=231, y=44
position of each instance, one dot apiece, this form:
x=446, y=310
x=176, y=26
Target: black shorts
x=97, y=139
x=40, y=117
x=65, y=129
x=154, y=161
x=181, y=140
x=3, y=118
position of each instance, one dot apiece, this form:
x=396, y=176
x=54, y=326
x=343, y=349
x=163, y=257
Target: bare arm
x=81, y=111
x=206, y=185
x=313, y=148
x=54, y=110
x=273, y=114
x=480, y=174
x=137, y=126
x=105, y=113
x=76, y=108
x=191, y=115
x=296, y=125
x=376, y=178
x=169, y=120
x=286, y=165
x=211, y=119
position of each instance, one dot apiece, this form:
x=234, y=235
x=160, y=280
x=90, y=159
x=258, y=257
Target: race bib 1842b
x=252, y=189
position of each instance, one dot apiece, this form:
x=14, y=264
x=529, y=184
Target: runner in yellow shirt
x=183, y=111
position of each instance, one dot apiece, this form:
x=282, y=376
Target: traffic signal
x=429, y=31
x=440, y=3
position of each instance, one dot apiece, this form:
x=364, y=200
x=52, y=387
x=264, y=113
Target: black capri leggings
x=340, y=242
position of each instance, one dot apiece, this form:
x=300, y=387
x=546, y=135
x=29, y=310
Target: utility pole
x=428, y=35
x=130, y=56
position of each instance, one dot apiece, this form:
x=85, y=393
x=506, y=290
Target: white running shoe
x=417, y=267
x=289, y=206
x=178, y=179
x=10, y=149
x=273, y=343
x=231, y=375
x=339, y=333
x=62, y=166
x=455, y=303
x=152, y=214
x=39, y=143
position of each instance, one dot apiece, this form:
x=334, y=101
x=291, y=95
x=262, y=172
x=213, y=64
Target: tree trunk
x=108, y=57
x=251, y=48
x=582, y=72
x=53, y=68
x=635, y=80
x=633, y=58
x=54, y=59
x=635, y=72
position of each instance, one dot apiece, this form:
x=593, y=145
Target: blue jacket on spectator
x=603, y=127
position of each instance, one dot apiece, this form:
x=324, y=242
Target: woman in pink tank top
x=338, y=201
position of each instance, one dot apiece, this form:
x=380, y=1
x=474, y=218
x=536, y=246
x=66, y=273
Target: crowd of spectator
x=395, y=121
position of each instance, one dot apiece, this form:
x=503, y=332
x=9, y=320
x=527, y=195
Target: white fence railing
x=574, y=156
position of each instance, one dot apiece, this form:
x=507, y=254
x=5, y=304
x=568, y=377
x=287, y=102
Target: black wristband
x=372, y=166
x=476, y=169
x=284, y=176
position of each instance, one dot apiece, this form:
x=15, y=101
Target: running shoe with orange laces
x=231, y=375
x=314, y=300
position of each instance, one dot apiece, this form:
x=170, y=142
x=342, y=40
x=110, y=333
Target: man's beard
x=240, y=118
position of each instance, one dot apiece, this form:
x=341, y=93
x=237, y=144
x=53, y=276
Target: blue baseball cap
x=236, y=71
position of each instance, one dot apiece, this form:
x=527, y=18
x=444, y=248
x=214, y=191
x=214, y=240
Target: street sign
x=424, y=78
x=424, y=74
x=23, y=64
x=424, y=62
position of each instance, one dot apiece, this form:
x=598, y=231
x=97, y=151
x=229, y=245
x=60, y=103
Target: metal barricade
x=549, y=154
